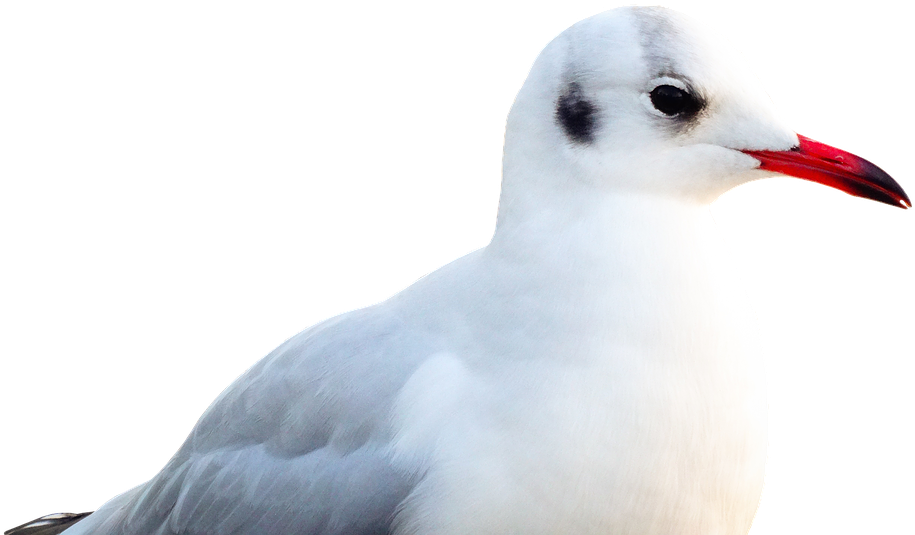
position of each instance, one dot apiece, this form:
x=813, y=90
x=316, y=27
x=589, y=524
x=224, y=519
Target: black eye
x=671, y=100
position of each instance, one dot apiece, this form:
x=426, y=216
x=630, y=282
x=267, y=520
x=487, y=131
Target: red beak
x=818, y=162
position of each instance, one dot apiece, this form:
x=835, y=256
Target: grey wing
x=297, y=445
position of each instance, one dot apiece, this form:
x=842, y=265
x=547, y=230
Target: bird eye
x=671, y=100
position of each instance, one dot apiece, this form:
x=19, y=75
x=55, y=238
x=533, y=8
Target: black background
x=191, y=188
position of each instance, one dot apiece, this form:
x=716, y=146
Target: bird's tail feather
x=49, y=524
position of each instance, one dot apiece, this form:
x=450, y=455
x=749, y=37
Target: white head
x=637, y=100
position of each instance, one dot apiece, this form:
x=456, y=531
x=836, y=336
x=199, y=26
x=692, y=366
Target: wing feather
x=299, y=444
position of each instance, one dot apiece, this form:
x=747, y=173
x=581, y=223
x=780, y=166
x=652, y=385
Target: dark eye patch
x=576, y=114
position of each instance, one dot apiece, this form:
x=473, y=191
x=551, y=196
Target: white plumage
x=592, y=370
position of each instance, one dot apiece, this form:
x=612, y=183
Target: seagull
x=592, y=370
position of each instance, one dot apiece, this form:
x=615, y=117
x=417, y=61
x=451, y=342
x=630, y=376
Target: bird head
x=640, y=100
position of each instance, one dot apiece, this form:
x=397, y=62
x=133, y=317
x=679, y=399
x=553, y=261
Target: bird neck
x=628, y=267
x=582, y=223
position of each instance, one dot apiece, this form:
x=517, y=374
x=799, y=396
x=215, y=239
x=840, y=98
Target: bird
x=592, y=370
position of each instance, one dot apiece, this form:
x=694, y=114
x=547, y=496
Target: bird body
x=502, y=393
x=592, y=370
